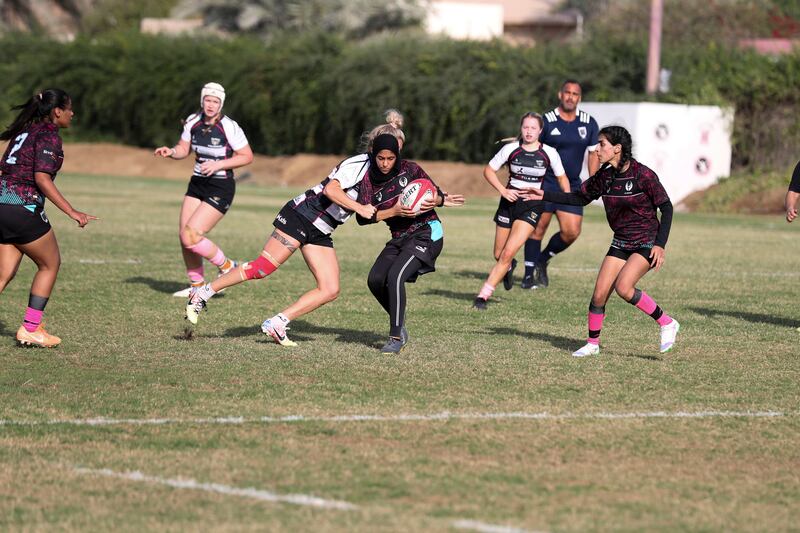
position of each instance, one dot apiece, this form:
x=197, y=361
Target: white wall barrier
x=688, y=146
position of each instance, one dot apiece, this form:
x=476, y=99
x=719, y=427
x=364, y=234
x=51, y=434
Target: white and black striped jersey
x=527, y=168
x=325, y=214
x=213, y=143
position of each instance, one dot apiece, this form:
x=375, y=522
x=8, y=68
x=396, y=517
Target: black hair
x=572, y=81
x=619, y=135
x=37, y=108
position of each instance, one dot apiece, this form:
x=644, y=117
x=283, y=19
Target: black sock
x=533, y=248
x=555, y=246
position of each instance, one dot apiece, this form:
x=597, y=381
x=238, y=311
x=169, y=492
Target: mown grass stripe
x=443, y=416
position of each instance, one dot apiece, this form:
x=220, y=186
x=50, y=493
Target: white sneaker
x=193, y=307
x=277, y=331
x=589, y=349
x=183, y=293
x=668, y=334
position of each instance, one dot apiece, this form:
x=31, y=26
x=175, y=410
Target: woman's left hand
x=453, y=200
x=210, y=167
x=656, y=257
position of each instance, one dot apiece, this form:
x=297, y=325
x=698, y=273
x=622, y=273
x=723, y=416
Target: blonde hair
x=393, y=124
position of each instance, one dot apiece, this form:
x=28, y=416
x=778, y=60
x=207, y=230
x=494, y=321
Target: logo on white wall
x=662, y=131
x=702, y=165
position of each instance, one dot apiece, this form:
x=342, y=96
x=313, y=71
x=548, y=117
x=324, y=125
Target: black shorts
x=18, y=225
x=526, y=210
x=420, y=245
x=625, y=254
x=216, y=192
x=298, y=227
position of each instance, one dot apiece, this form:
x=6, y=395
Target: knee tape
x=260, y=268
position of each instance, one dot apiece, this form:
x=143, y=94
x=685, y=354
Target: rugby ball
x=417, y=192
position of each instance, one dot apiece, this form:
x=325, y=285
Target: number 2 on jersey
x=12, y=160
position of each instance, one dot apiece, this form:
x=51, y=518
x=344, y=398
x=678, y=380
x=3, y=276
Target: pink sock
x=203, y=247
x=486, y=291
x=33, y=317
x=595, y=325
x=196, y=275
x=664, y=319
x=646, y=303
x=219, y=258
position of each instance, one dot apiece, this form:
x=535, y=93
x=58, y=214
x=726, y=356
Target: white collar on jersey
x=582, y=116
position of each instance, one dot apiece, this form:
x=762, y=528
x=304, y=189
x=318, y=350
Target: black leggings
x=387, y=281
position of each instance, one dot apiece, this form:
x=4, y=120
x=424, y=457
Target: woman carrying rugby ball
x=417, y=235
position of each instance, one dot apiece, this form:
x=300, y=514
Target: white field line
x=472, y=525
x=110, y=261
x=253, y=493
x=443, y=416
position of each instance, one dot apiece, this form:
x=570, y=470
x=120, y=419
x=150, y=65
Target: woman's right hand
x=81, y=218
x=510, y=194
x=366, y=211
x=533, y=194
x=164, y=151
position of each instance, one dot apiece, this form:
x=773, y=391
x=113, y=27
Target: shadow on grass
x=353, y=336
x=756, y=318
x=300, y=331
x=465, y=296
x=562, y=343
x=641, y=356
x=165, y=287
x=3, y=331
x=472, y=274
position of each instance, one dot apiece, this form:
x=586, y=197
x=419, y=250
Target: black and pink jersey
x=37, y=149
x=213, y=143
x=386, y=195
x=630, y=199
x=526, y=169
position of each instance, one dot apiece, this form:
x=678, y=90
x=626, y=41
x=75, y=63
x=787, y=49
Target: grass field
x=703, y=438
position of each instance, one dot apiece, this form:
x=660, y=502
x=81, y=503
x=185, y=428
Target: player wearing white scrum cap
x=220, y=146
x=213, y=89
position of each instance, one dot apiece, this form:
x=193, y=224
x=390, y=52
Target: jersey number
x=12, y=160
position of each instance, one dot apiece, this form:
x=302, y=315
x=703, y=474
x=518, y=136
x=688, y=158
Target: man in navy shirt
x=572, y=133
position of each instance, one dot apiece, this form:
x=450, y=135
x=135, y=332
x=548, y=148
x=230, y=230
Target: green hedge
x=318, y=93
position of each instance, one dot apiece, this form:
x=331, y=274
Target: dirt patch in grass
x=299, y=170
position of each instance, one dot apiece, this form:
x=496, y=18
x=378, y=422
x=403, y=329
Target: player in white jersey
x=573, y=133
x=516, y=218
x=220, y=146
x=306, y=222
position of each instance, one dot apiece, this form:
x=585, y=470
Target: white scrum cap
x=213, y=89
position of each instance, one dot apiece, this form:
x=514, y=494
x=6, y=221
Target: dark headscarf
x=383, y=141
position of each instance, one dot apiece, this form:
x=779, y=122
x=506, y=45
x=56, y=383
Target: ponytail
x=393, y=123
x=36, y=109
